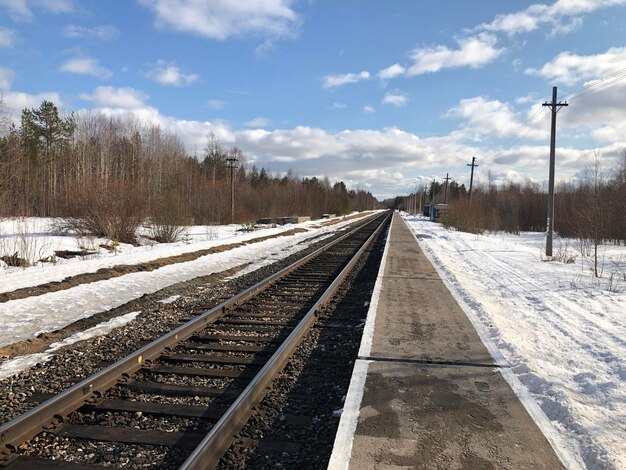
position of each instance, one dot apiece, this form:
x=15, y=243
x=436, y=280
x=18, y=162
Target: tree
x=46, y=137
x=592, y=220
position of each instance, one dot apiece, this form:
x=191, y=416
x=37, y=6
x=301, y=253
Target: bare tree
x=591, y=217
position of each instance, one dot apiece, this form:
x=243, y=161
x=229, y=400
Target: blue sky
x=380, y=94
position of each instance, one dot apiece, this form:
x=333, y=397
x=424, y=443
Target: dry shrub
x=171, y=216
x=114, y=211
x=465, y=217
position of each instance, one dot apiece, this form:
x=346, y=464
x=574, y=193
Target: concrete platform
x=426, y=393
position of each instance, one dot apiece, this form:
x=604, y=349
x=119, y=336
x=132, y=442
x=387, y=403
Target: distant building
x=435, y=211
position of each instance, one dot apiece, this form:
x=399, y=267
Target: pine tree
x=46, y=138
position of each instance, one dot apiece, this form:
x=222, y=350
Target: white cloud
x=19, y=100
x=167, y=73
x=331, y=81
x=221, y=19
x=376, y=159
x=106, y=96
x=338, y=106
x=611, y=133
x=368, y=109
x=538, y=14
x=86, y=66
x=519, y=22
x=7, y=37
x=532, y=161
x=391, y=72
x=472, y=52
x=563, y=27
x=570, y=68
x=258, y=122
x=12, y=102
x=264, y=49
x=380, y=160
x=527, y=99
x=483, y=117
x=395, y=99
x=22, y=10
x=216, y=104
x=6, y=77
x=603, y=107
x=102, y=32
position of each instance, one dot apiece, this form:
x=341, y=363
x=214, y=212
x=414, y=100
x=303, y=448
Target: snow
x=36, y=239
x=14, y=366
x=28, y=317
x=169, y=300
x=561, y=330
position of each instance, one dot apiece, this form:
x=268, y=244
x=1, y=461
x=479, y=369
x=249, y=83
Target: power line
x=599, y=84
x=526, y=129
x=530, y=125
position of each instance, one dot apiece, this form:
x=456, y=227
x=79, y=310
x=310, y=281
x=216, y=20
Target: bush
x=170, y=217
x=464, y=217
x=115, y=211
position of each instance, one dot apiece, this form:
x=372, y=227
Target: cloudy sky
x=380, y=94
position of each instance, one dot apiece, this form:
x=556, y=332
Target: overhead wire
x=599, y=84
x=530, y=125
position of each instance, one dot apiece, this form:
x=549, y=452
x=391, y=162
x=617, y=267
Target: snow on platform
x=562, y=331
x=433, y=396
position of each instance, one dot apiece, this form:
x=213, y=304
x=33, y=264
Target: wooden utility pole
x=445, y=194
x=231, y=164
x=554, y=108
x=473, y=165
x=421, y=193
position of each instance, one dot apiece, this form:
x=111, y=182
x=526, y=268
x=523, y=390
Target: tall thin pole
x=421, y=193
x=554, y=108
x=473, y=165
x=445, y=197
x=231, y=164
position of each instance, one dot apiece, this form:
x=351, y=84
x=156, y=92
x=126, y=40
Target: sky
x=382, y=95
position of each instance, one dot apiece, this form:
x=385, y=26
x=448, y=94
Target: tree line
x=102, y=168
x=593, y=208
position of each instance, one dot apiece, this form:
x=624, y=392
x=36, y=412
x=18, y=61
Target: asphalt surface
x=434, y=397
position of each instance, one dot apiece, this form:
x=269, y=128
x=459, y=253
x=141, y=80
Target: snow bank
x=28, y=317
x=35, y=239
x=14, y=366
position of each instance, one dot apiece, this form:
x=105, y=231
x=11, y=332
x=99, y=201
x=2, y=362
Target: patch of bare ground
x=41, y=342
x=122, y=269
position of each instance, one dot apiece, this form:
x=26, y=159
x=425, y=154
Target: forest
x=592, y=208
x=108, y=174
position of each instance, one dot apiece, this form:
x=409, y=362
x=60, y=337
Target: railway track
x=203, y=379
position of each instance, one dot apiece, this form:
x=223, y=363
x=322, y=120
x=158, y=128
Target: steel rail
x=46, y=415
x=208, y=453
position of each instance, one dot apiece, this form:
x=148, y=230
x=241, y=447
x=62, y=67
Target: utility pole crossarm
x=554, y=108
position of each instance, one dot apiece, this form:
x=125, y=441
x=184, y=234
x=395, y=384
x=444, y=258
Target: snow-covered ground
x=13, y=366
x=28, y=317
x=36, y=238
x=562, y=331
